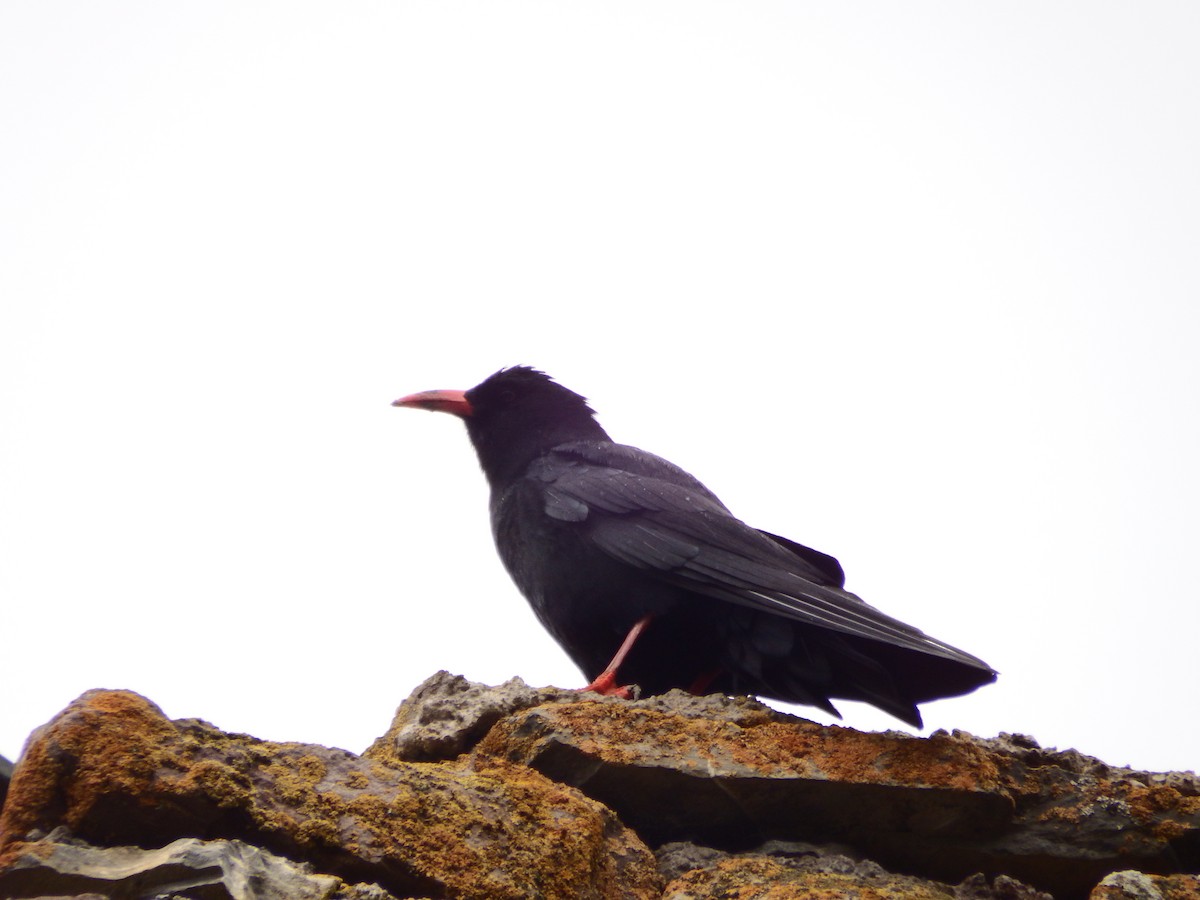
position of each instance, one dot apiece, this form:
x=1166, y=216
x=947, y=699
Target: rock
x=1002, y=888
x=447, y=715
x=675, y=859
x=784, y=870
x=733, y=784
x=943, y=807
x=766, y=877
x=1131, y=885
x=115, y=770
x=514, y=791
x=678, y=857
x=215, y=870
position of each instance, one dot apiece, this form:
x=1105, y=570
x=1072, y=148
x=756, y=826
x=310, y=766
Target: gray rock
x=1133, y=885
x=119, y=773
x=741, y=711
x=188, y=868
x=1002, y=888
x=678, y=857
x=1027, y=751
x=447, y=715
x=942, y=807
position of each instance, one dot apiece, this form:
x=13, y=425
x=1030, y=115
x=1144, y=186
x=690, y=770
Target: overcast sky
x=916, y=284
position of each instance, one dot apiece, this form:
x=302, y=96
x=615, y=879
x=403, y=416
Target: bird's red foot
x=606, y=684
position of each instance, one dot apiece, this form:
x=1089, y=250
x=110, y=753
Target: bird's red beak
x=454, y=402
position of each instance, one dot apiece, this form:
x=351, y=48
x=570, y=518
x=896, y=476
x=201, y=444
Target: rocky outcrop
x=115, y=771
x=513, y=791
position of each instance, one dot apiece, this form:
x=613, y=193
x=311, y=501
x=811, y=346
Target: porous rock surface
x=115, y=771
x=513, y=791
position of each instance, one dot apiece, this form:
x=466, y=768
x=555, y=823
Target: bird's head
x=513, y=417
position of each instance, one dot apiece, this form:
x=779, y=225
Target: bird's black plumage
x=599, y=535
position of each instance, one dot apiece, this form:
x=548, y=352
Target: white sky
x=916, y=284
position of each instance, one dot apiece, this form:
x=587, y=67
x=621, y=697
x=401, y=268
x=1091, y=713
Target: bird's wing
x=630, y=507
x=824, y=563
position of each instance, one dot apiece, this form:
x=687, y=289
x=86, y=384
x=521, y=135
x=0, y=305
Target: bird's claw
x=606, y=684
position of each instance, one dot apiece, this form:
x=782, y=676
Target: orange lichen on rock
x=1132, y=885
x=515, y=792
x=72, y=762
x=114, y=769
x=766, y=878
x=631, y=735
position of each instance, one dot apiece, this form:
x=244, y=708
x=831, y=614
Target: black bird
x=634, y=565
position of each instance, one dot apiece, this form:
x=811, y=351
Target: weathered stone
x=743, y=711
x=1001, y=887
x=678, y=858
x=944, y=806
x=1130, y=885
x=790, y=869
x=1078, y=819
x=771, y=878
x=679, y=777
x=116, y=771
x=215, y=870
x=777, y=806
x=447, y=715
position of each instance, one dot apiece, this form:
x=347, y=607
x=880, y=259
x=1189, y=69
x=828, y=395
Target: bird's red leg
x=606, y=682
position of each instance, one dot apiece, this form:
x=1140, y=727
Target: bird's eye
x=507, y=396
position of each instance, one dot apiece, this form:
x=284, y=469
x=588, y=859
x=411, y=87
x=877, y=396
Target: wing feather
x=640, y=510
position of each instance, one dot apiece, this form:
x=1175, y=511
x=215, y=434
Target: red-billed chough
x=634, y=566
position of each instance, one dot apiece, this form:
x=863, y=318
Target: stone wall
x=516, y=792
